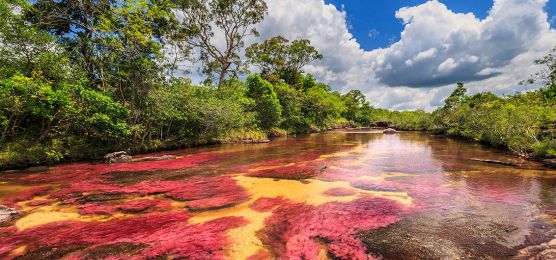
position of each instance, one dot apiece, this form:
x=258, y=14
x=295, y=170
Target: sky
x=409, y=54
x=374, y=25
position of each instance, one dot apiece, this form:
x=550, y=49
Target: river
x=354, y=194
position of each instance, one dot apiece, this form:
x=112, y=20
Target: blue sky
x=374, y=25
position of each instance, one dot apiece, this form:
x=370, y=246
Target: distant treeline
x=523, y=123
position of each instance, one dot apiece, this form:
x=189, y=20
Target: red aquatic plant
x=163, y=234
x=78, y=171
x=294, y=172
x=200, y=192
x=297, y=230
x=93, y=208
x=339, y=192
x=268, y=204
x=28, y=194
x=135, y=206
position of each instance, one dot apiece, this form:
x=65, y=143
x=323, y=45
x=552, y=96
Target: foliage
x=266, y=105
x=232, y=19
x=277, y=57
x=82, y=78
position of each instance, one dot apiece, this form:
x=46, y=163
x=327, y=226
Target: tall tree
x=117, y=42
x=277, y=56
x=206, y=22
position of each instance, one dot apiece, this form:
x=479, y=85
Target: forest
x=79, y=79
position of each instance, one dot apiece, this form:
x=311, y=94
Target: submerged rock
x=389, y=131
x=543, y=251
x=155, y=158
x=495, y=162
x=7, y=214
x=117, y=157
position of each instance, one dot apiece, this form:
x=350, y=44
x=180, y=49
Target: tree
x=232, y=19
x=547, y=76
x=267, y=106
x=354, y=101
x=456, y=97
x=277, y=57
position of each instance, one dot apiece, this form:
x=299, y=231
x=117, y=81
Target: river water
x=347, y=195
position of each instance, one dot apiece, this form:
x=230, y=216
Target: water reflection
x=349, y=194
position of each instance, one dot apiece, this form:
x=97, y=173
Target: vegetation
x=82, y=78
x=523, y=123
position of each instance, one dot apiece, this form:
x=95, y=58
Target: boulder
x=117, y=157
x=389, y=131
x=155, y=158
x=7, y=214
x=551, y=163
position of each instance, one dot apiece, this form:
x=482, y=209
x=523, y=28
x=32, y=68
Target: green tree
x=232, y=19
x=456, y=97
x=267, y=106
x=276, y=56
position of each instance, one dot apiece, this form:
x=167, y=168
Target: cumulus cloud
x=437, y=48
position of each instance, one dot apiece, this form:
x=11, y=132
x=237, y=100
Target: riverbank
x=257, y=137
x=271, y=201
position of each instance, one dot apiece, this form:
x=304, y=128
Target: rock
x=389, y=131
x=156, y=158
x=550, y=163
x=253, y=141
x=495, y=162
x=543, y=251
x=7, y=214
x=117, y=157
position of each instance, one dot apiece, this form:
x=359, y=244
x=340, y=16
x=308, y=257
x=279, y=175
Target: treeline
x=82, y=78
x=523, y=123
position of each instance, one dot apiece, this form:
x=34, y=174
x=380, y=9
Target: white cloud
x=436, y=49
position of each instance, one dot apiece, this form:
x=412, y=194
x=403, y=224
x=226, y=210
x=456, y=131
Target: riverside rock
x=117, y=157
x=389, y=131
x=7, y=214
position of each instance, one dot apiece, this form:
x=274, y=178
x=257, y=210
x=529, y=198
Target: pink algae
x=162, y=234
x=299, y=231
